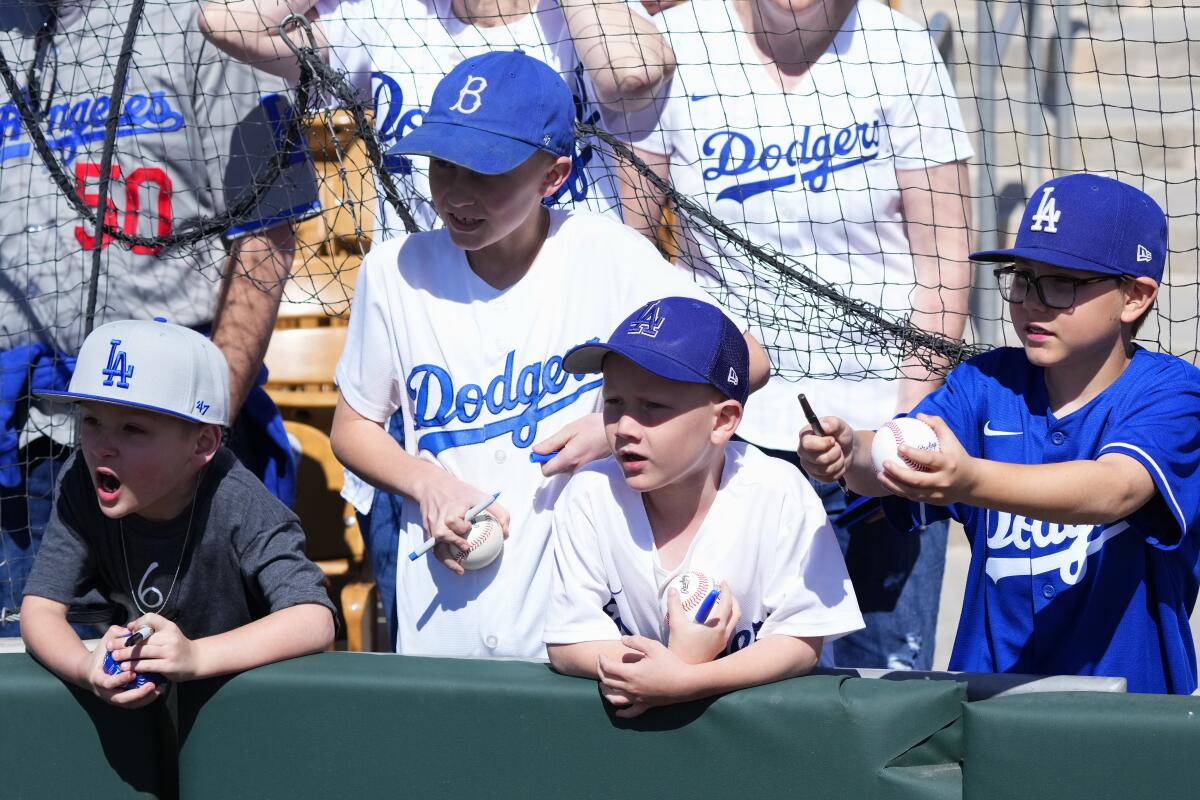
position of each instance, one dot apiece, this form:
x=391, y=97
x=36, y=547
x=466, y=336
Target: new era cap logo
x=648, y=322
x=733, y=378
x=470, y=97
x=118, y=367
x=1047, y=215
x=1143, y=254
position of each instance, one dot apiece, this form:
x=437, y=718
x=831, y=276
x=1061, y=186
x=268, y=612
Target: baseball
x=693, y=587
x=906, y=430
x=484, y=543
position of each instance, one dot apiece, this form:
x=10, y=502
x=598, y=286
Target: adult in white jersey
x=827, y=130
x=463, y=330
x=197, y=131
x=394, y=52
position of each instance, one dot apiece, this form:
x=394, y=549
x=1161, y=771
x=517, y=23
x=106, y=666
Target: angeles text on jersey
x=1047, y=546
x=71, y=125
x=828, y=152
x=438, y=402
x=396, y=121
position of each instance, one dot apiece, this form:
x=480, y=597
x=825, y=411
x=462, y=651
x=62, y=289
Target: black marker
x=138, y=635
x=819, y=431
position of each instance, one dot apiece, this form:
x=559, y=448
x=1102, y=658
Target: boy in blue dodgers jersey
x=153, y=513
x=679, y=496
x=463, y=330
x=1070, y=463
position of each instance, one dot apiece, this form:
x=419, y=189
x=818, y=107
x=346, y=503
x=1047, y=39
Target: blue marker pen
x=541, y=458
x=706, y=605
x=470, y=516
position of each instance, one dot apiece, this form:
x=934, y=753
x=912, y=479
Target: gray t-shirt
x=244, y=558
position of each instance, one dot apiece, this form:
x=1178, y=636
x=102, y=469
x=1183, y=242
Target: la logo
x=1047, y=214
x=118, y=366
x=470, y=97
x=648, y=321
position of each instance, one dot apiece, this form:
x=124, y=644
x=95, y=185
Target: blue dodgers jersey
x=1044, y=598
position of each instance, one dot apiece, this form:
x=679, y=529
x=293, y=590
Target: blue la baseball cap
x=679, y=339
x=1091, y=223
x=492, y=112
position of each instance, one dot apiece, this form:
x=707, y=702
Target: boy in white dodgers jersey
x=678, y=496
x=1071, y=463
x=166, y=526
x=463, y=330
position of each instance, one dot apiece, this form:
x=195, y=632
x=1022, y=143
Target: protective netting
x=774, y=201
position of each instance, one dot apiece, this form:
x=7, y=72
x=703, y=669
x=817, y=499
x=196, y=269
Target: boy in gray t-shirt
x=160, y=523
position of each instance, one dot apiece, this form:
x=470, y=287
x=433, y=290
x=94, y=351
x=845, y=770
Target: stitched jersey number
x=87, y=178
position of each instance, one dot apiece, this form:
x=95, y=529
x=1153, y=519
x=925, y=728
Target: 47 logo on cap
x=118, y=367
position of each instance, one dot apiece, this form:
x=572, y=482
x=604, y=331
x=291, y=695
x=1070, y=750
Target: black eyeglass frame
x=1036, y=282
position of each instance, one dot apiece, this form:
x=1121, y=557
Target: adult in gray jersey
x=196, y=131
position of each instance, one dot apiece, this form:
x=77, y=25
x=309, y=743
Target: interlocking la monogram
x=1047, y=214
x=118, y=366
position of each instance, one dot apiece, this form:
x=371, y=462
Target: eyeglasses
x=1055, y=291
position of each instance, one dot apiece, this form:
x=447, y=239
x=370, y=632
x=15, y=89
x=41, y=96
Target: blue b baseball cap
x=492, y=112
x=679, y=339
x=1091, y=223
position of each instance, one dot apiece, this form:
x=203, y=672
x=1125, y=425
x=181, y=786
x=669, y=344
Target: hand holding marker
x=470, y=516
x=819, y=431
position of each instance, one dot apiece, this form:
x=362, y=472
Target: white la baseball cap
x=155, y=366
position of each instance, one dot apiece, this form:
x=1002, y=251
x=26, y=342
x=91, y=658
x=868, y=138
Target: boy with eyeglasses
x=1071, y=462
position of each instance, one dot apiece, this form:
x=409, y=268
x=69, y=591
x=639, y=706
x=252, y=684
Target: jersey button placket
x=1058, y=437
x=1048, y=591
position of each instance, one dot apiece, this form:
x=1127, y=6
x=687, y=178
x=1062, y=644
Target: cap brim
x=1055, y=258
x=590, y=358
x=76, y=397
x=480, y=151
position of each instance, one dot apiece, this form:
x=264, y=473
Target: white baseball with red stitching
x=484, y=543
x=905, y=430
x=693, y=587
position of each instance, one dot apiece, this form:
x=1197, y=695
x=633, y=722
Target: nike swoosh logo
x=988, y=430
x=696, y=98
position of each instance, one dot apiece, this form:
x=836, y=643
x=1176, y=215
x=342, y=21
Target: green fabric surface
x=351, y=724
x=1082, y=745
x=58, y=741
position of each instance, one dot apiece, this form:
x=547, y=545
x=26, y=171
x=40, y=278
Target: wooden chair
x=334, y=541
x=300, y=364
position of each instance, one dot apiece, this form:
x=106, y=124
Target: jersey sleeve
x=1159, y=427
x=924, y=121
x=245, y=118
x=342, y=25
x=579, y=588
x=366, y=373
x=808, y=592
x=65, y=568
